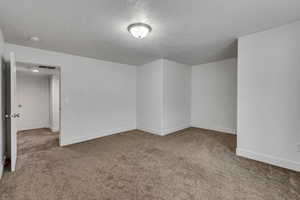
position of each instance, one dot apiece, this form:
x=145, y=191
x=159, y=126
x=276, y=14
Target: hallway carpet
x=193, y=164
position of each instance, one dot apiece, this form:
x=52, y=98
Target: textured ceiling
x=186, y=31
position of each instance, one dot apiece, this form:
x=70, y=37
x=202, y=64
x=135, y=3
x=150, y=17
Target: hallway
x=30, y=141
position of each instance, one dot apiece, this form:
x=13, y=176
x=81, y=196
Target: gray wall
x=269, y=96
x=214, y=95
x=150, y=97
x=176, y=96
x=98, y=97
x=163, y=97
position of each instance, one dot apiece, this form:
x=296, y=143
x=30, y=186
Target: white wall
x=269, y=96
x=150, y=97
x=214, y=96
x=163, y=93
x=54, y=103
x=98, y=97
x=176, y=94
x=33, y=94
x=2, y=130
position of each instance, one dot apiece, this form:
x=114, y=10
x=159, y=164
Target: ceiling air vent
x=46, y=67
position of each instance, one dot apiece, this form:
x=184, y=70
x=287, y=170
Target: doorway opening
x=38, y=106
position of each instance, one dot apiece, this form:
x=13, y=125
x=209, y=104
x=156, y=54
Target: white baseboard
x=93, y=136
x=54, y=130
x=175, y=129
x=288, y=164
x=149, y=130
x=163, y=132
x=2, y=160
x=1, y=169
x=25, y=128
x=215, y=128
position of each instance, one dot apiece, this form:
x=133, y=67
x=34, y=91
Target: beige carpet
x=189, y=165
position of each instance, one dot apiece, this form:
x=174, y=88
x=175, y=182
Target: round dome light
x=139, y=30
x=34, y=39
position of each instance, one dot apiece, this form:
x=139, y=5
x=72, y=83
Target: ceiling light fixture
x=34, y=39
x=139, y=30
x=35, y=71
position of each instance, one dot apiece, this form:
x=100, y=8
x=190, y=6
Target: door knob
x=15, y=115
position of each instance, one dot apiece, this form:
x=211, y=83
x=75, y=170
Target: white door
x=11, y=111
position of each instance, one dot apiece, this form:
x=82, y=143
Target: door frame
x=10, y=110
x=58, y=73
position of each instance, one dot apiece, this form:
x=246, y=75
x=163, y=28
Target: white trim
x=152, y=131
x=33, y=127
x=269, y=159
x=173, y=130
x=163, y=132
x=214, y=128
x=1, y=168
x=54, y=129
x=85, y=138
x=2, y=163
